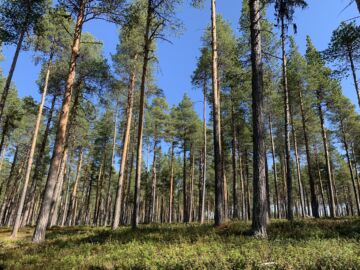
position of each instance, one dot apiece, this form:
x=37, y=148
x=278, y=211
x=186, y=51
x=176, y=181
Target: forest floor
x=307, y=244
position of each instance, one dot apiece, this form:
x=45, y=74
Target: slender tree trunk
x=298, y=167
x=274, y=168
x=152, y=205
x=355, y=166
x=327, y=157
x=356, y=195
x=242, y=184
x=204, y=164
x=290, y=214
x=108, y=192
x=320, y=182
x=354, y=71
x=218, y=158
x=185, y=200
x=39, y=233
x=39, y=160
x=259, y=219
x=73, y=198
x=267, y=187
x=191, y=187
x=314, y=201
x=125, y=149
x=6, y=89
x=171, y=193
x=32, y=152
x=234, y=165
x=99, y=183
x=147, y=43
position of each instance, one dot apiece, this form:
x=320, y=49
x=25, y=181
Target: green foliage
x=345, y=43
x=20, y=15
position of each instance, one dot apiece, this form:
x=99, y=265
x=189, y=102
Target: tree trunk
x=108, y=192
x=185, y=200
x=152, y=207
x=234, y=165
x=171, y=193
x=259, y=219
x=191, y=187
x=32, y=152
x=320, y=182
x=125, y=149
x=274, y=168
x=5, y=92
x=204, y=167
x=218, y=158
x=356, y=195
x=298, y=167
x=147, y=43
x=327, y=157
x=290, y=214
x=39, y=233
x=314, y=201
x=39, y=160
x=71, y=210
x=354, y=71
x=57, y=191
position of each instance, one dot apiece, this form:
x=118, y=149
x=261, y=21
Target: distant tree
x=200, y=79
x=320, y=83
x=185, y=120
x=156, y=120
x=160, y=16
x=297, y=85
x=285, y=12
x=344, y=47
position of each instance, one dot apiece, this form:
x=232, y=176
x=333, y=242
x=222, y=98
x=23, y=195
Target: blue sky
x=178, y=60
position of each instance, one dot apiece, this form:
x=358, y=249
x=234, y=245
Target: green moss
x=309, y=244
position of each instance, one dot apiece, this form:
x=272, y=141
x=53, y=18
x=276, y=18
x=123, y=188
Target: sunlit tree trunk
x=147, y=43
x=32, y=152
x=39, y=233
x=218, y=158
x=125, y=149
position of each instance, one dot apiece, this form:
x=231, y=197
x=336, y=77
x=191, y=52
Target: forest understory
x=301, y=244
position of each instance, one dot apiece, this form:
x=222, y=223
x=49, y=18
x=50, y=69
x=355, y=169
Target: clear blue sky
x=178, y=60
